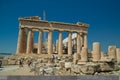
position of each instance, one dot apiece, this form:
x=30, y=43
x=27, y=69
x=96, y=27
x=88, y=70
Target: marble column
x=24, y=41
x=85, y=41
x=40, y=42
x=96, y=53
x=70, y=43
x=57, y=43
x=32, y=47
x=29, y=42
x=118, y=55
x=102, y=54
x=75, y=45
x=21, y=45
x=82, y=40
x=78, y=43
x=53, y=48
x=84, y=54
x=75, y=58
x=112, y=51
x=60, y=43
x=50, y=44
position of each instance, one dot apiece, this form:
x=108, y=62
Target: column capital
x=40, y=30
x=22, y=28
x=69, y=31
x=84, y=33
x=50, y=30
x=30, y=29
x=80, y=33
x=60, y=30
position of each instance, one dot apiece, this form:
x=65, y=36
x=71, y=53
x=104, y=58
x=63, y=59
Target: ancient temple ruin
x=82, y=61
x=28, y=25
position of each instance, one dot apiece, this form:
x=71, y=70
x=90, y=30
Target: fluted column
x=24, y=43
x=70, y=43
x=40, y=42
x=32, y=44
x=82, y=41
x=50, y=44
x=85, y=41
x=57, y=43
x=21, y=45
x=60, y=43
x=29, y=42
x=78, y=43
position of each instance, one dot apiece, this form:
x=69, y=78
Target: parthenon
x=28, y=25
x=69, y=56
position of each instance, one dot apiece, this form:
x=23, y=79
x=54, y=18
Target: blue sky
x=102, y=15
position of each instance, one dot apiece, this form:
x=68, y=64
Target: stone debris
x=106, y=67
x=65, y=65
x=90, y=68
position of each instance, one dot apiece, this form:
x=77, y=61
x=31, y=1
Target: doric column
x=50, y=44
x=84, y=54
x=75, y=58
x=102, y=54
x=78, y=43
x=29, y=42
x=70, y=43
x=53, y=48
x=75, y=43
x=24, y=41
x=21, y=45
x=81, y=40
x=96, y=51
x=118, y=55
x=57, y=43
x=60, y=43
x=112, y=51
x=85, y=41
x=32, y=47
x=40, y=42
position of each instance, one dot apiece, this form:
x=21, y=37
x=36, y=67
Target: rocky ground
x=47, y=65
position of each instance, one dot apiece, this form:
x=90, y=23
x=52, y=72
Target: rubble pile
x=98, y=63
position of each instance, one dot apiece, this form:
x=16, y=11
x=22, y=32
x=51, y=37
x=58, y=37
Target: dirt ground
x=14, y=70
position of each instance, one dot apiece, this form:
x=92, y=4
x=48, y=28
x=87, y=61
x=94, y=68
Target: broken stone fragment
x=107, y=66
x=89, y=68
x=76, y=69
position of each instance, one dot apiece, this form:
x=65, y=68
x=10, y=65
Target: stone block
x=89, y=68
x=106, y=67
